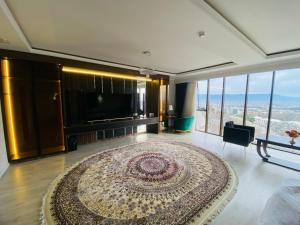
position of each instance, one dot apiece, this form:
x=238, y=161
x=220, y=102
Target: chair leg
x=250, y=147
x=223, y=146
x=245, y=153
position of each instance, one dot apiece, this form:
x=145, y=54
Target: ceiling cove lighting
x=103, y=73
x=9, y=110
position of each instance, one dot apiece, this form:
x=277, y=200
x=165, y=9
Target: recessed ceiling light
x=201, y=34
x=4, y=41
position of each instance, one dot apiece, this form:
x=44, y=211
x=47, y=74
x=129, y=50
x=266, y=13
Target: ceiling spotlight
x=201, y=34
x=4, y=41
x=147, y=53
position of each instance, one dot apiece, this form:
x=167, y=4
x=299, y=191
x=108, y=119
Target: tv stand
x=109, y=120
x=113, y=125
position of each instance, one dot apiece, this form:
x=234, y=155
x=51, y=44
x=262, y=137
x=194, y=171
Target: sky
x=287, y=83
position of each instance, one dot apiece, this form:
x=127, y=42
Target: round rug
x=145, y=183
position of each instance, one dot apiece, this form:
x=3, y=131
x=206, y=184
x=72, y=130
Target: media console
x=110, y=126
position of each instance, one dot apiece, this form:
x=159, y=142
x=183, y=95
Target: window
x=286, y=102
x=258, y=101
x=247, y=98
x=234, y=99
x=215, y=105
x=201, y=105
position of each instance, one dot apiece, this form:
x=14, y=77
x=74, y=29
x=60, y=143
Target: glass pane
x=215, y=104
x=201, y=105
x=259, y=94
x=234, y=99
x=286, y=102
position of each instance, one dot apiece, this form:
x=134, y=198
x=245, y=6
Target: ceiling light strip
x=103, y=73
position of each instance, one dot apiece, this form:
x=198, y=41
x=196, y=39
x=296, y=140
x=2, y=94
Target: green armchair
x=184, y=124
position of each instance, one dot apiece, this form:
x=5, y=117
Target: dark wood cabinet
x=49, y=116
x=23, y=122
x=33, y=109
x=32, y=96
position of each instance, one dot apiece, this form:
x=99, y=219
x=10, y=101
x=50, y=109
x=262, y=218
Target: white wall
x=3, y=157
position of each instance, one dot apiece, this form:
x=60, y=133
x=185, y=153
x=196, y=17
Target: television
x=100, y=106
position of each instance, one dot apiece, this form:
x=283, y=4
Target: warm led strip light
x=103, y=73
x=9, y=109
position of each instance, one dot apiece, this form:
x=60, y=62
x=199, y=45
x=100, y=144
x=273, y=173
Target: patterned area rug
x=145, y=183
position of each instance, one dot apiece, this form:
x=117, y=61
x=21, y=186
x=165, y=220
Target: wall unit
x=41, y=104
x=75, y=86
x=90, y=132
x=31, y=97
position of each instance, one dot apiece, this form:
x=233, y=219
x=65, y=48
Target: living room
x=149, y=112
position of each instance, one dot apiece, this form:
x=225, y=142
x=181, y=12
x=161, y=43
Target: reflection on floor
x=24, y=184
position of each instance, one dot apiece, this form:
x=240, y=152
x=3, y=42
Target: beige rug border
x=203, y=217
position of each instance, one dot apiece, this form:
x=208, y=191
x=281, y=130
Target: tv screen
x=105, y=106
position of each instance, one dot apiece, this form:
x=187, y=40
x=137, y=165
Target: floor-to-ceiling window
x=201, y=105
x=286, y=102
x=215, y=105
x=258, y=101
x=234, y=99
x=249, y=99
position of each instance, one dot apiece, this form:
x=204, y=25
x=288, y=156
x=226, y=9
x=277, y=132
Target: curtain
x=185, y=99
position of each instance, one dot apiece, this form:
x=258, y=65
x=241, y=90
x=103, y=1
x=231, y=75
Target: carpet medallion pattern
x=146, y=183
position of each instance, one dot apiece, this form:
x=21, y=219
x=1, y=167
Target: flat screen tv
x=107, y=106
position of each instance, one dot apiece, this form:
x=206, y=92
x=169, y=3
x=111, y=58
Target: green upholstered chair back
x=184, y=124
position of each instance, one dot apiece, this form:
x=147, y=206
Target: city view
x=285, y=110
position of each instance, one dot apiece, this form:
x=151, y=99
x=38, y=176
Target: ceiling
x=238, y=34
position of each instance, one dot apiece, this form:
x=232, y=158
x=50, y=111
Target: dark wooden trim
x=270, y=106
x=207, y=105
x=35, y=115
x=246, y=101
x=222, y=106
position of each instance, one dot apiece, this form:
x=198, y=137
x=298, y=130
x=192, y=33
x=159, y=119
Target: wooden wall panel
x=49, y=116
x=118, y=86
x=107, y=88
x=30, y=107
x=152, y=97
x=128, y=86
x=23, y=119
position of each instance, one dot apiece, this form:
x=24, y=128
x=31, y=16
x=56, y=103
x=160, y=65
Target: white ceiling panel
x=271, y=24
x=8, y=35
x=119, y=31
x=244, y=32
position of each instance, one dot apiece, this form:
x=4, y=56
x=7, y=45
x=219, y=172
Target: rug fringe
x=195, y=221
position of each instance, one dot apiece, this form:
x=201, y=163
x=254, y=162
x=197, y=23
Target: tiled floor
x=24, y=184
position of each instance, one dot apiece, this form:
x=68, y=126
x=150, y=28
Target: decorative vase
x=292, y=141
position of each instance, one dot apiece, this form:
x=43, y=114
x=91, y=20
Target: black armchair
x=237, y=134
